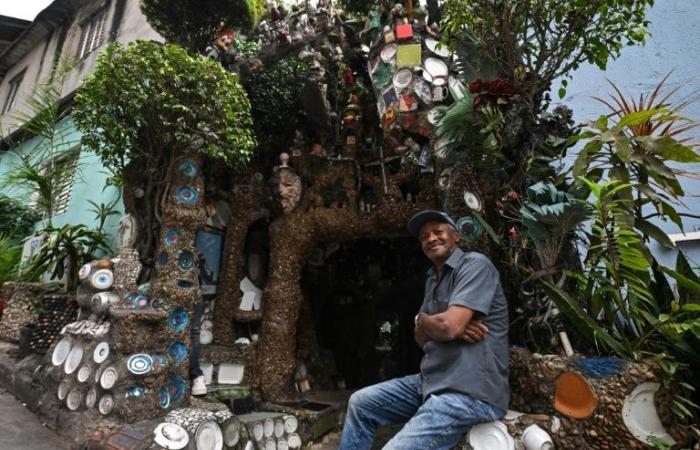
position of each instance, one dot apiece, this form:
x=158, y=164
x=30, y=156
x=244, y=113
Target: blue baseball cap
x=429, y=215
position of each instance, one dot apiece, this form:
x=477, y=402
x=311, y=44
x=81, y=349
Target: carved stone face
x=287, y=187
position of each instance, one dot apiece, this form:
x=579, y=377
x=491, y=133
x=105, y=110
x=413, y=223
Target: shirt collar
x=452, y=261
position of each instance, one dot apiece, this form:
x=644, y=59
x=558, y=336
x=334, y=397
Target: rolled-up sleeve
x=475, y=285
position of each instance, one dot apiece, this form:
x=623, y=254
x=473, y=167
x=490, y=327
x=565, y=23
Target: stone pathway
x=20, y=429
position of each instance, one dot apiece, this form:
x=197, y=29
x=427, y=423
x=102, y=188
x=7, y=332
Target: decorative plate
x=186, y=260
x=74, y=399
x=185, y=284
x=294, y=441
x=388, y=53
x=61, y=351
x=439, y=50
x=156, y=303
x=75, y=357
x=282, y=444
x=137, y=390
x=141, y=302
x=102, y=279
x=63, y=389
x=382, y=75
x=177, y=352
x=232, y=432
x=84, y=271
x=91, y=397
x=101, y=352
x=171, y=436
x=109, y=377
x=159, y=359
x=470, y=228
x=573, y=396
x=402, y=79
x=164, y=397
x=163, y=258
x=84, y=373
x=258, y=431
x=179, y=388
x=106, y=404
x=188, y=168
x=187, y=195
x=640, y=416
x=209, y=436
x=172, y=236
x=178, y=319
x=98, y=374
x=436, y=68
x=139, y=364
x=279, y=428
x=472, y=201
x=290, y=424
x=491, y=436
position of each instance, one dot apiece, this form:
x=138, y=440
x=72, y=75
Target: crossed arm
x=457, y=322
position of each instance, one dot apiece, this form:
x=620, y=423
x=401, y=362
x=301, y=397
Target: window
x=64, y=185
x=91, y=36
x=12, y=92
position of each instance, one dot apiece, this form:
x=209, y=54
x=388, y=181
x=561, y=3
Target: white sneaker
x=199, y=387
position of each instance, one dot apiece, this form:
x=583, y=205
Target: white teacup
x=535, y=438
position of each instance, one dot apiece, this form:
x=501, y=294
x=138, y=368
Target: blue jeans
x=437, y=423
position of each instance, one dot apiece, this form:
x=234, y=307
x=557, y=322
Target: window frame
x=92, y=33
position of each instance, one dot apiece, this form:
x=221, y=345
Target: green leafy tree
x=193, y=23
x=16, y=218
x=535, y=42
x=145, y=105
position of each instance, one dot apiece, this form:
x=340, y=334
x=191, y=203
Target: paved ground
x=20, y=429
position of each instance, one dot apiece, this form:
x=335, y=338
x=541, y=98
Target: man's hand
x=420, y=336
x=475, y=331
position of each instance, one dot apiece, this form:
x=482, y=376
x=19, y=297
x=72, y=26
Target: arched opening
x=363, y=296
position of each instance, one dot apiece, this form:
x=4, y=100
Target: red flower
x=475, y=86
x=500, y=88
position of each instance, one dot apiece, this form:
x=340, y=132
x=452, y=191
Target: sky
x=23, y=9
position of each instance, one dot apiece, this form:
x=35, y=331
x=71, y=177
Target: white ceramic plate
x=269, y=427
x=232, y=433
x=432, y=45
x=402, y=78
x=106, y=404
x=270, y=444
x=139, y=364
x=61, y=351
x=98, y=374
x=209, y=436
x=171, y=436
x=75, y=357
x=101, y=352
x=435, y=68
x=102, y=279
x=279, y=428
x=109, y=377
x=74, y=399
x=84, y=373
x=84, y=271
x=472, y=201
x=491, y=436
x=258, y=431
x=640, y=416
x=388, y=52
x=290, y=424
x=63, y=389
x=294, y=440
x=282, y=444
x=91, y=397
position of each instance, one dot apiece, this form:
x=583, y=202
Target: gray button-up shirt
x=481, y=369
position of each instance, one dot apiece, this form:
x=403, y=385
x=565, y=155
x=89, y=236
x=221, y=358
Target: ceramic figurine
x=126, y=236
x=224, y=40
x=286, y=185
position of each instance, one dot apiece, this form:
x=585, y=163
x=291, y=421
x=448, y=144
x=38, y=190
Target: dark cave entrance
x=363, y=296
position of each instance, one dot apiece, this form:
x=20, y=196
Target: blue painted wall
x=88, y=185
x=673, y=45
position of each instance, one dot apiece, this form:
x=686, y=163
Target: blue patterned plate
x=185, y=260
x=177, y=352
x=470, y=228
x=164, y=397
x=163, y=258
x=159, y=359
x=141, y=302
x=187, y=195
x=178, y=388
x=139, y=364
x=178, y=319
x=137, y=390
x=188, y=168
x=172, y=236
